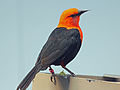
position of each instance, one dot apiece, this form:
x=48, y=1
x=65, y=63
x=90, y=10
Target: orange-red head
x=70, y=19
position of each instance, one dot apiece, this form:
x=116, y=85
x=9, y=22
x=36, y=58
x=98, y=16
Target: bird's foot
x=53, y=79
x=52, y=76
x=72, y=74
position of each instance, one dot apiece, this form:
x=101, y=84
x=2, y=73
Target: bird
x=62, y=46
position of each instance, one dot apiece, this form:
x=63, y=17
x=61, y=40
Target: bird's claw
x=73, y=75
x=53, y=77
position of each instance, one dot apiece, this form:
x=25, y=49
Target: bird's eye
x=73, y=15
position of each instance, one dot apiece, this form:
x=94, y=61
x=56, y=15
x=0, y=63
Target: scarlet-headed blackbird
x=61, y=47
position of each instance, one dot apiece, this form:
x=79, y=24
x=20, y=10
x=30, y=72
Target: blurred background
x=26, y=24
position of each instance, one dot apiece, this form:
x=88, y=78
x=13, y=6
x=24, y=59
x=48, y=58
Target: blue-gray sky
x=26, y=24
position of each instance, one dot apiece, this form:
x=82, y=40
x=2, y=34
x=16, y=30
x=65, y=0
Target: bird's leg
x=63, y=66
x=69, y=71
x=53, y=75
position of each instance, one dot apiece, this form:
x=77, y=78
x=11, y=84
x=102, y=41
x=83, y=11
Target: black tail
x=30, y=76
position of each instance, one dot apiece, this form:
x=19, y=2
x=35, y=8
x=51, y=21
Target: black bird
x=61, y=47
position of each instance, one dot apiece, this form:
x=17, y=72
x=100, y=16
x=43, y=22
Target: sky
x=26, y=24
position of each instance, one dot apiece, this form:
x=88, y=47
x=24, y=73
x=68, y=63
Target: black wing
x=59, y=42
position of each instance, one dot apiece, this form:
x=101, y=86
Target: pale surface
x=42, y=82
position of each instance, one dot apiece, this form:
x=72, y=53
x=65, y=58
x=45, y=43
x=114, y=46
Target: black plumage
x=61, y=47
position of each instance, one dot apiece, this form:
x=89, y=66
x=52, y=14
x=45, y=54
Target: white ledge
x=79, y=82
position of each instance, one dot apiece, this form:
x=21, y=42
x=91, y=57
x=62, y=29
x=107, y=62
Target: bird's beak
x=82, y=11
